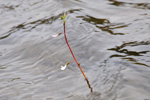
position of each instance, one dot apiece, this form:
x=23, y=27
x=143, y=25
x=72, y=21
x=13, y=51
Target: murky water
x=110, y=38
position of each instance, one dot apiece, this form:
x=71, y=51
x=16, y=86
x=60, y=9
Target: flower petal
x=54, y=36
x=64, y=67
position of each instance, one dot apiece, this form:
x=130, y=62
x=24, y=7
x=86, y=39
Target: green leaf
x=63, y=17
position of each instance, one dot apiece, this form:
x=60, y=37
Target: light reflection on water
x=109, y=38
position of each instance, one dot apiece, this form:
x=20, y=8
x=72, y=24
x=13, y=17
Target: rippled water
x=110, y=38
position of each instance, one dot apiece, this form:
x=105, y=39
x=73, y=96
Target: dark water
x=110, y=38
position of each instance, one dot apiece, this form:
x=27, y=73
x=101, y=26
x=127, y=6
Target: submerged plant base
x=89, y=85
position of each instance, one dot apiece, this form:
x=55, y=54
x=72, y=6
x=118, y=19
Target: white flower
x=54, y=36
x=64, y=67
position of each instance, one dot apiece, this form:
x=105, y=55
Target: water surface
x=110, y=39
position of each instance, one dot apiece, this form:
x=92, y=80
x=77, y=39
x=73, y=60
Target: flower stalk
x=73, y=54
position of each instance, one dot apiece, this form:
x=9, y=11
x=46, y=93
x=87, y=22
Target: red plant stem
x=76, y=59
x=73, y=54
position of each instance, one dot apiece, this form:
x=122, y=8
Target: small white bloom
x=54, y=36
x=64, y=67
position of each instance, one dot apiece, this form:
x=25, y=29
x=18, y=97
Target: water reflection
x=3, y=37
x=31, y=25
x=134, y=5
x=128, y=54
x=117, y=3
x=8, y=7
x=104, y=24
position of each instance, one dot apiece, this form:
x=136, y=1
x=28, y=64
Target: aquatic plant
x=63, y=67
